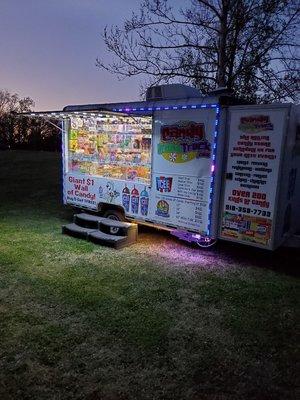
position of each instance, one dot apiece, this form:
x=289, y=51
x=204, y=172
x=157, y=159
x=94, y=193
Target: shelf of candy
x=118, y=155
x=122, y=172
x=125, y=125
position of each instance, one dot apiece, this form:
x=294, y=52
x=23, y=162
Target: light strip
x=166, y=107
x=64, y=159
x=213, y=168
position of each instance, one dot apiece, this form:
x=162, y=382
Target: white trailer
x=191, y=164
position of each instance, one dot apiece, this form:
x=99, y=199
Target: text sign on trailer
x=255, y=140
x=183, y=166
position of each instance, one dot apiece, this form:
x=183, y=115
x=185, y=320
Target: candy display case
x=112, y=147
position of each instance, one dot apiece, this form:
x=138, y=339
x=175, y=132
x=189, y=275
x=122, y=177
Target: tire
x=115, y=215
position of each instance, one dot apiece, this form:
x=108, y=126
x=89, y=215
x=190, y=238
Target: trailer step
x=103, y=231
x=77, y=231
x=118, y=242
x=87, y=220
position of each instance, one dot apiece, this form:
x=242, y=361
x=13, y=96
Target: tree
x=25, y=133
x=13, y=130
x=249, y=46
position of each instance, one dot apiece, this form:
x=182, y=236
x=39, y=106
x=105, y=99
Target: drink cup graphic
x=126, y=198
x=135, y=199
x=144, y=202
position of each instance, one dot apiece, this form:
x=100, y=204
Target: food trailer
x=201, y=167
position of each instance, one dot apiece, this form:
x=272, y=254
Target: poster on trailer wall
x=183, y=147
x=255, y=141
x=88, y=191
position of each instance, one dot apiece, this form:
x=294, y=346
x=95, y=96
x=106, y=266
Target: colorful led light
x=63, y=152
x=177, y=107
x=213, y=167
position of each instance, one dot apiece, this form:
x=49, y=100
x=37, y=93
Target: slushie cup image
x=126, y=198
x=144, y=202
x=135, y=199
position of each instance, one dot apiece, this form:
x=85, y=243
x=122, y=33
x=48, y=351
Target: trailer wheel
x=115, y=215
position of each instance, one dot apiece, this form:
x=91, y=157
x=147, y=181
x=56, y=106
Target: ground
x=157, y=321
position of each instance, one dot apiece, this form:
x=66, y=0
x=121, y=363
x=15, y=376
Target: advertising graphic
x=144, y=202
x=252, y=175
x=135, y=199
x=81, y=191
x=183, y=141
x=162, y=209
x=247, y=228
x=111, y=194
x=183, y=145
x=255, y=123
x=164, y=184
x=126, y=198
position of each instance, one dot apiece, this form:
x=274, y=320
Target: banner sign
x=183, y=141
x=254, y=150
x=183, y=164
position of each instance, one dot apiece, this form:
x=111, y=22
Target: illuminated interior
x=111, y=146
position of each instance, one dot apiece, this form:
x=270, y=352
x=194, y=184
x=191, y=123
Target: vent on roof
x=154, y=93
x=172, y=91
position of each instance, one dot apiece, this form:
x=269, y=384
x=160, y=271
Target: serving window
x=111, y=146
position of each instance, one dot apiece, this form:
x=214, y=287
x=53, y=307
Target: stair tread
x=89, y=217
x=116, y=224
x=78, y=228
x=106, y=236
x=105, y=221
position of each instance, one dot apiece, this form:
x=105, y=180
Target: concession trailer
x=202, y=167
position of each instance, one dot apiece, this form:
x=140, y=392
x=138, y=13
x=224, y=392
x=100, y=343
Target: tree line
x=24, y=133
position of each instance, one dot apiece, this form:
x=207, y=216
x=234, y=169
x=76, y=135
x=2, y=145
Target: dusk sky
x=48, y=50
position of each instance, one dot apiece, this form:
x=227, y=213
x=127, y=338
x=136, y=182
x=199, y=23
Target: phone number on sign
x=246, y=210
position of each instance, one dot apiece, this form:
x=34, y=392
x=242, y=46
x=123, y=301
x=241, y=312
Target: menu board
x=181, y=201
x=111, y=146
x=182, y=168
x=255, y=141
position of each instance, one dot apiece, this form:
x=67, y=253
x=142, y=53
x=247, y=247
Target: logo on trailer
x=162, y=209
x=183, y=141
x=164, y=184
x=255, y=124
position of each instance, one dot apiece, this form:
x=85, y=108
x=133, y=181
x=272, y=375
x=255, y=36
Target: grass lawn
x=157, y=321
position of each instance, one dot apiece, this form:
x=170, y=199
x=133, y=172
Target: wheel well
x=102, y=207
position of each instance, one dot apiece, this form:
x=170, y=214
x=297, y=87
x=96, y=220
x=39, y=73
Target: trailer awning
x=70, y=114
